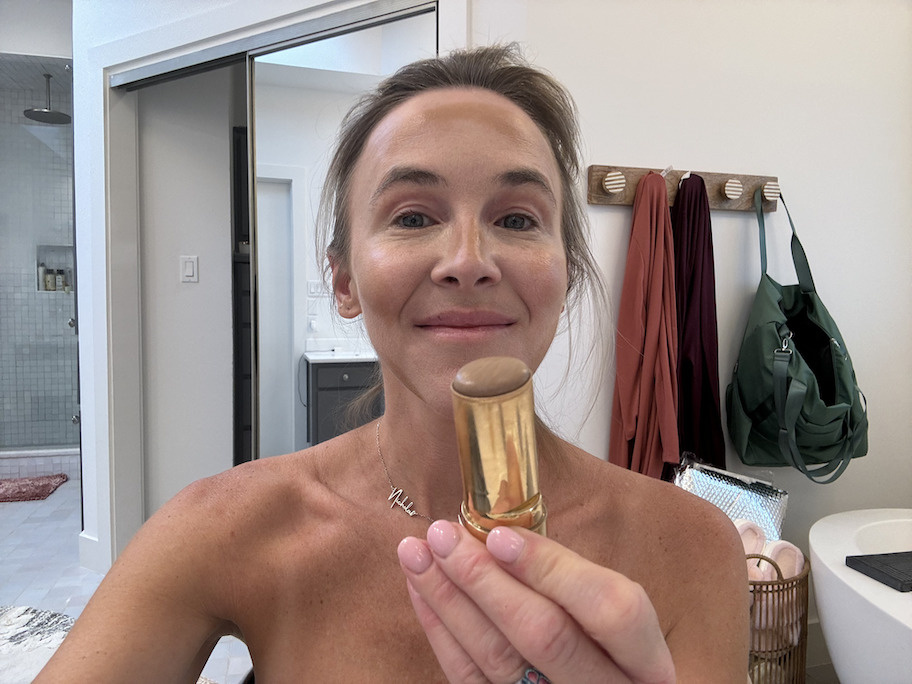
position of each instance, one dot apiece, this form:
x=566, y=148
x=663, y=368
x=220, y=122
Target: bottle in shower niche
x=42, y=274
x=58, y=280
x=50, y=280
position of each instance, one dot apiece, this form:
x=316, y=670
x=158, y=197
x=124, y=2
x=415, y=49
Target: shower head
x=47, y=115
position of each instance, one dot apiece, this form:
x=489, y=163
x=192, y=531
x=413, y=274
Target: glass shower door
x=39, y=431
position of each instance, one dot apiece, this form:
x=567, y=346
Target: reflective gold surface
x=499, y=461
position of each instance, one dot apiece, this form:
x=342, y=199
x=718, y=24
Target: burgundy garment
x=644, y=431
x=699, y=415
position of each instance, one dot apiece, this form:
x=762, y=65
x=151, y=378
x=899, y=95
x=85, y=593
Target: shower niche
x=54, y=268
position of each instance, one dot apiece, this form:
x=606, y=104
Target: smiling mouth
x=471, y=323
x=467, y=328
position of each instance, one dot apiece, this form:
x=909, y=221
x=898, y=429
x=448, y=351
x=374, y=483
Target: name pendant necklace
x=397, y=497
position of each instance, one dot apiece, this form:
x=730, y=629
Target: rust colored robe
x=644, y=425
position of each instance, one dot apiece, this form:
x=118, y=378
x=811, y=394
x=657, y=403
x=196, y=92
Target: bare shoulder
x=243, y=507
x=684, y=551
x=632, y=511
x=183, y=579
x=207, y=529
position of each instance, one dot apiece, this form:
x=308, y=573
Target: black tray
x=892, y=569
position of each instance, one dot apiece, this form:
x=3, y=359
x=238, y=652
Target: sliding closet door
x=185, y=212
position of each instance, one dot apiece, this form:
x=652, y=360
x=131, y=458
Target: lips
x=466, y=320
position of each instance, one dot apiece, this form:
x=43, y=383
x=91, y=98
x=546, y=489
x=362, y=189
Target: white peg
x=733, y=189
x=614, y=182
x=771, y=191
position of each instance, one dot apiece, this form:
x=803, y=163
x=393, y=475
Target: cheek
x=383, y=276
x=546, y=278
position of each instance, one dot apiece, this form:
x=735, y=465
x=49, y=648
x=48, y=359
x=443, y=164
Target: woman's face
x=456, y=246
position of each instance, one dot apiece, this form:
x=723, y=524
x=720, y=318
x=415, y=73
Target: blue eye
x=412, y=220
x=517, y=222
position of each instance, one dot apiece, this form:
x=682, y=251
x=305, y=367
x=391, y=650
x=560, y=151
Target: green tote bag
x=793, y=399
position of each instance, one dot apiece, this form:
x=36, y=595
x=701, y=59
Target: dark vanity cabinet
x=331, y=387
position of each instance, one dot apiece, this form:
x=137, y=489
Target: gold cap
x=493, y=406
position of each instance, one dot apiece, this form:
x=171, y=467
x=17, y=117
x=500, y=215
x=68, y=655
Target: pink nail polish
x=442, y=538
x=505, y=544
x=414, y=555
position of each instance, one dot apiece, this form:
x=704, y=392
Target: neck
x=421, y=457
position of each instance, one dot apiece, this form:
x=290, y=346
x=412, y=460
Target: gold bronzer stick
x=494, y=409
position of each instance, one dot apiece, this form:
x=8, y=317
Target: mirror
x=300, y=95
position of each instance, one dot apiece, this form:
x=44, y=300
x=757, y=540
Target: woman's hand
x=490, y=613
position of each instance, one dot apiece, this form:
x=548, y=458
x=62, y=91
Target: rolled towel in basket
x=775, y=639
x=787, y=556
x=753, y=538
x=774, y=615
x=784, y=554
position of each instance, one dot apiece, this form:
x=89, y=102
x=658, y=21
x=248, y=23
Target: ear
x=344, y=290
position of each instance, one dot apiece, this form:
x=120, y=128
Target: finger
x=542, y=631
x=455, y=662
x=612, y=609
x=468, y=646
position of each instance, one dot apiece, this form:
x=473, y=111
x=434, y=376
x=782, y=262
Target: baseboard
x=93, y=554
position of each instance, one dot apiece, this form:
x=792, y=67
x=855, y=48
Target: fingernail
x=505, y=544
x=442, y=538
x=413, y=555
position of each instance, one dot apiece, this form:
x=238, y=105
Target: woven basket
x=779, y=617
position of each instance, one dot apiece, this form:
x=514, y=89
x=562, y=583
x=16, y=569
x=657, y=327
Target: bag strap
x=789, y=395
x=789, y=398
x=799, y=258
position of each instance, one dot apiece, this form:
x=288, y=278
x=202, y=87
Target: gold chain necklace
x=397, y=497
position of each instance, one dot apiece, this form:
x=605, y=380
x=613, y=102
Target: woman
x=456, y=234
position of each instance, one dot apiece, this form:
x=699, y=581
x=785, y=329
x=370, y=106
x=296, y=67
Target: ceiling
x=26, y=72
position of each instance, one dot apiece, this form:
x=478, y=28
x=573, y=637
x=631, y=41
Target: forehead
x=447, y=124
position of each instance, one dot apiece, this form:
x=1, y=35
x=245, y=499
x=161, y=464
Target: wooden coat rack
x=729, y=191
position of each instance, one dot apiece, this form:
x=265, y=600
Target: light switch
x=189, y=269
x=317, y=288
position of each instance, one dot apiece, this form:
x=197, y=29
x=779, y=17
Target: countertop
x=341, y=356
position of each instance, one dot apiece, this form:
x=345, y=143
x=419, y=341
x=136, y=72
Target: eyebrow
x=526, y=176
x=412, y=175
x=407, y=175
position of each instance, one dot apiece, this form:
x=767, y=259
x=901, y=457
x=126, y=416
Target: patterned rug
x=28, y=639
x=30, y=488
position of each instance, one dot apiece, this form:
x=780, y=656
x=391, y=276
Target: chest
x=338, y=611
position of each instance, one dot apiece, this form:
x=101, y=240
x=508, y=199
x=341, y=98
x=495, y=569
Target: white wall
x=296, y=128
x=37, y=27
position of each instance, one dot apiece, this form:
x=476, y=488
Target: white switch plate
x=189, y=269
x=316, y=288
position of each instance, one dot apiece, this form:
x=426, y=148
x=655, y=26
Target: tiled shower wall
x=38, y=353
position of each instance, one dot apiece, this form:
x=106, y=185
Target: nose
x=467, y=257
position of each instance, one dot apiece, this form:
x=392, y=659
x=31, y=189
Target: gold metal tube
x=494, y=409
